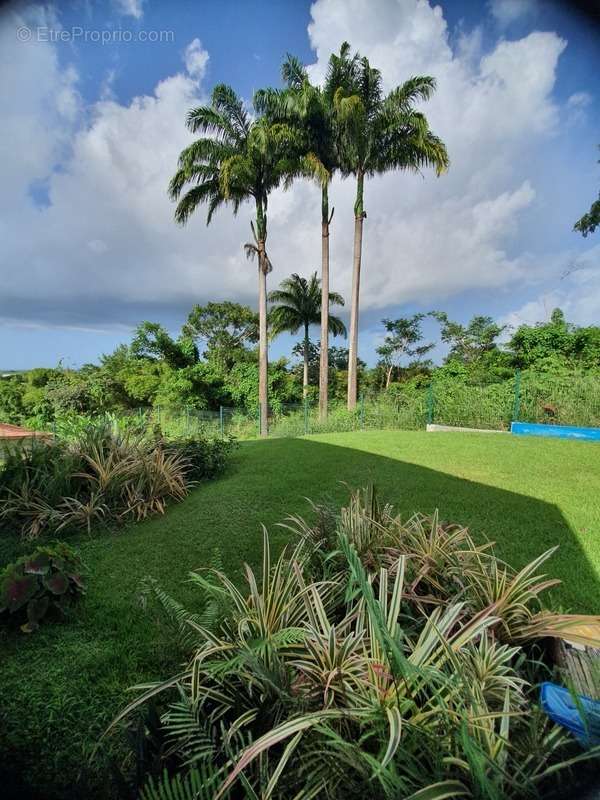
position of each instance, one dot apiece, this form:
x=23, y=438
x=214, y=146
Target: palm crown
x=299, y=305
x=378, y=133
x=238, y=158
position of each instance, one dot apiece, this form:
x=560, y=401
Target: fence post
x=221, y=426
x=187, y=421
x=362, y=411
x=259, y=421
x=305, y=415
x=517, y=401
x=430, y=403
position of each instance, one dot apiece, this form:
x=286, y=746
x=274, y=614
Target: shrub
x=47, y=580
x=103, y=475
x=377, y=656
x=206, y=458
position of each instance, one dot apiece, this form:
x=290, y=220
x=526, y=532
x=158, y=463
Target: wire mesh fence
x=569, y=400
x=527, y=397
x=461, y=405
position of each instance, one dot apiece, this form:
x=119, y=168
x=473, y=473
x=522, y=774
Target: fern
x=197, y=784
x=177, y=614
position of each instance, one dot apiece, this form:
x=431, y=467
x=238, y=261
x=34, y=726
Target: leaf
x=18, y=590
x=440, y=791
x=29, y=627
x=395, y=721
x=58, y=583
x=273, y=737
x=77, y=580
x=38, y=565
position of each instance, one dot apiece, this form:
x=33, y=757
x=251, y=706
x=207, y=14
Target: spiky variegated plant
x=237, y=158
x=310, y=110
x=389, y=663
x=298, y=306
x=377, y=133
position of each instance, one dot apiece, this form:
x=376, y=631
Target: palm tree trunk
x=263, y=364
x=305, y=376
x=324, y=362
x=263, y=360
x=359, y=216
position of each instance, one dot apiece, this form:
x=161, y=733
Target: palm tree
x=299, y=303
x=377, y=134
x=310, y=109
x=238, y=158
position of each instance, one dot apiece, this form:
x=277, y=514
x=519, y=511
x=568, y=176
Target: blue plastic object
x=558, y=431
x=578, y=714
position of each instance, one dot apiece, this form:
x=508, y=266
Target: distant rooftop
x=16, y=432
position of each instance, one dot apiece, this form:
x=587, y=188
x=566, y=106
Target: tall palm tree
x=238, y=158
x=299, y=304
x=377, y=134
x=310, y=110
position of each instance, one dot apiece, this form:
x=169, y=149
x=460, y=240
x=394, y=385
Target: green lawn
x=61, y=686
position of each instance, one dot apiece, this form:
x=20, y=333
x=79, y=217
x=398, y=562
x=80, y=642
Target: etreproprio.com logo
x=92, y=35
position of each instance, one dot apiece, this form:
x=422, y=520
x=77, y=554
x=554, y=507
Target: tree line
x=214, y=361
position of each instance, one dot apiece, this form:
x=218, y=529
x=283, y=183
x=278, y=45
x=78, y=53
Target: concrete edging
x=433, y=428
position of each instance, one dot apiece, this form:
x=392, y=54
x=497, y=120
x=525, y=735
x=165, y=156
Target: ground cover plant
x=500, y=487
x=376, y=654
x=48, y=580
x=100, y=476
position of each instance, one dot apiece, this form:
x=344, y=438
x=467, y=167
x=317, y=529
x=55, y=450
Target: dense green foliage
x=45, y=581
x=218, y=367
x=507, y=488
x=101, y=476
x=375, y=655
x=205, y=458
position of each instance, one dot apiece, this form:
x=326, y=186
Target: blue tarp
x=560, y=431
x=576, y=713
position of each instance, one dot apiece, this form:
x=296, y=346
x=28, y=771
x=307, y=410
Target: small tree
x=469, y=342
x=298, y=307
x=402, y=341
x=151, y=340
x=224, y=328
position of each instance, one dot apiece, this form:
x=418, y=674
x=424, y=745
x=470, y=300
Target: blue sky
x=93, y=132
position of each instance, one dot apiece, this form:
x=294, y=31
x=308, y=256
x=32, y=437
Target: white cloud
x=196, y=59
x=576, y=291
x=40, y=106
x=579, y=100
x=130, y=8
x=107, y=250
x=508, y=11
x=577, y=105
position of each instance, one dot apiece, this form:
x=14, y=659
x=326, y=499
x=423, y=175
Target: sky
x=94, y=97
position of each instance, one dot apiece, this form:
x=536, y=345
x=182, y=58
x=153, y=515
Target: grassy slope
x=60, y=687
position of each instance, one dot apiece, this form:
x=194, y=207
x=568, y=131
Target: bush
x=376, y=657
x=48, y=580
x=103, y=475
x=206, y=458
